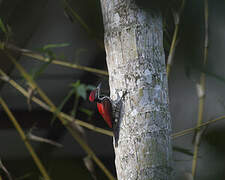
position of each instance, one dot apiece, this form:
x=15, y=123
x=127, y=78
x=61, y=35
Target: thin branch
x=87, y=125
x=172, y=48
x=46, y=107
x=33, y=137
x=77, y=17
x=37, y=56
x=82, y=23
x=177, y=16
x=190, y=130
x=5, y=170
x=24, y=139
x=201, y=93
x=75, y=134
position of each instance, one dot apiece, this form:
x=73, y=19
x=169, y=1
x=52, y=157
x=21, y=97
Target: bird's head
x=94, y=95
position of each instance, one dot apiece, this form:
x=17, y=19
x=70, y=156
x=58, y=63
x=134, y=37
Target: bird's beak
x=99, y=85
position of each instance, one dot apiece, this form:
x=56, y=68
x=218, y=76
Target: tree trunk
x=136, y=64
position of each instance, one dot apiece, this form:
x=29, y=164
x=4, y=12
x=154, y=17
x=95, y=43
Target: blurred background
x=72, y=31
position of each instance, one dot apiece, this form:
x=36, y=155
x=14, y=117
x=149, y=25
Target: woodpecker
x=109, y=109
x=104, y=105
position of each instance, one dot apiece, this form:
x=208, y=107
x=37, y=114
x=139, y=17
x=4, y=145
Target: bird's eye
x=92, y=96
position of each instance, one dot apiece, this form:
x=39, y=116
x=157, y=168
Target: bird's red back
x=105, y=109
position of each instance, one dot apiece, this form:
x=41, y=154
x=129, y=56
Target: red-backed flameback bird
x=104, y=105
x=109, y=109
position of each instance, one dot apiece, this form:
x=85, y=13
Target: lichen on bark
x=136, y=64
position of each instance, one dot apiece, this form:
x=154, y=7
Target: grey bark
x=136, y=64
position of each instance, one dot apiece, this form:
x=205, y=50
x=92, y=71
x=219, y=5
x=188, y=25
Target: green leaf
x=61, y=57
x=2, y=26
x=40, y=70
x=90, y=87
x=51, y=55
x=49, y=46
x=76, y=84
x=81, y=91
x=59, y=108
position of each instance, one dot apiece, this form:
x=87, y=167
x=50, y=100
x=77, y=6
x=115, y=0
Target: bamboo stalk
x=75, y=134
x=46, y=107
x=201, y=95
x=38, y=56
x=172, y=50
x=90, y=126
x=24, y=139
x=82, y=23
x=174, y=39
x=190, y=130
x=65, y=64
x=5, y=170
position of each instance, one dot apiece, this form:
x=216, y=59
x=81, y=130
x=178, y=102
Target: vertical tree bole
x=136, y=64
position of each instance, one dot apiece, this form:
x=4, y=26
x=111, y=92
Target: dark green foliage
x=5, y=31
x=48, y=53
x=87, y=14
x=47, y=49
x=79, y=90
x=2, y=26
